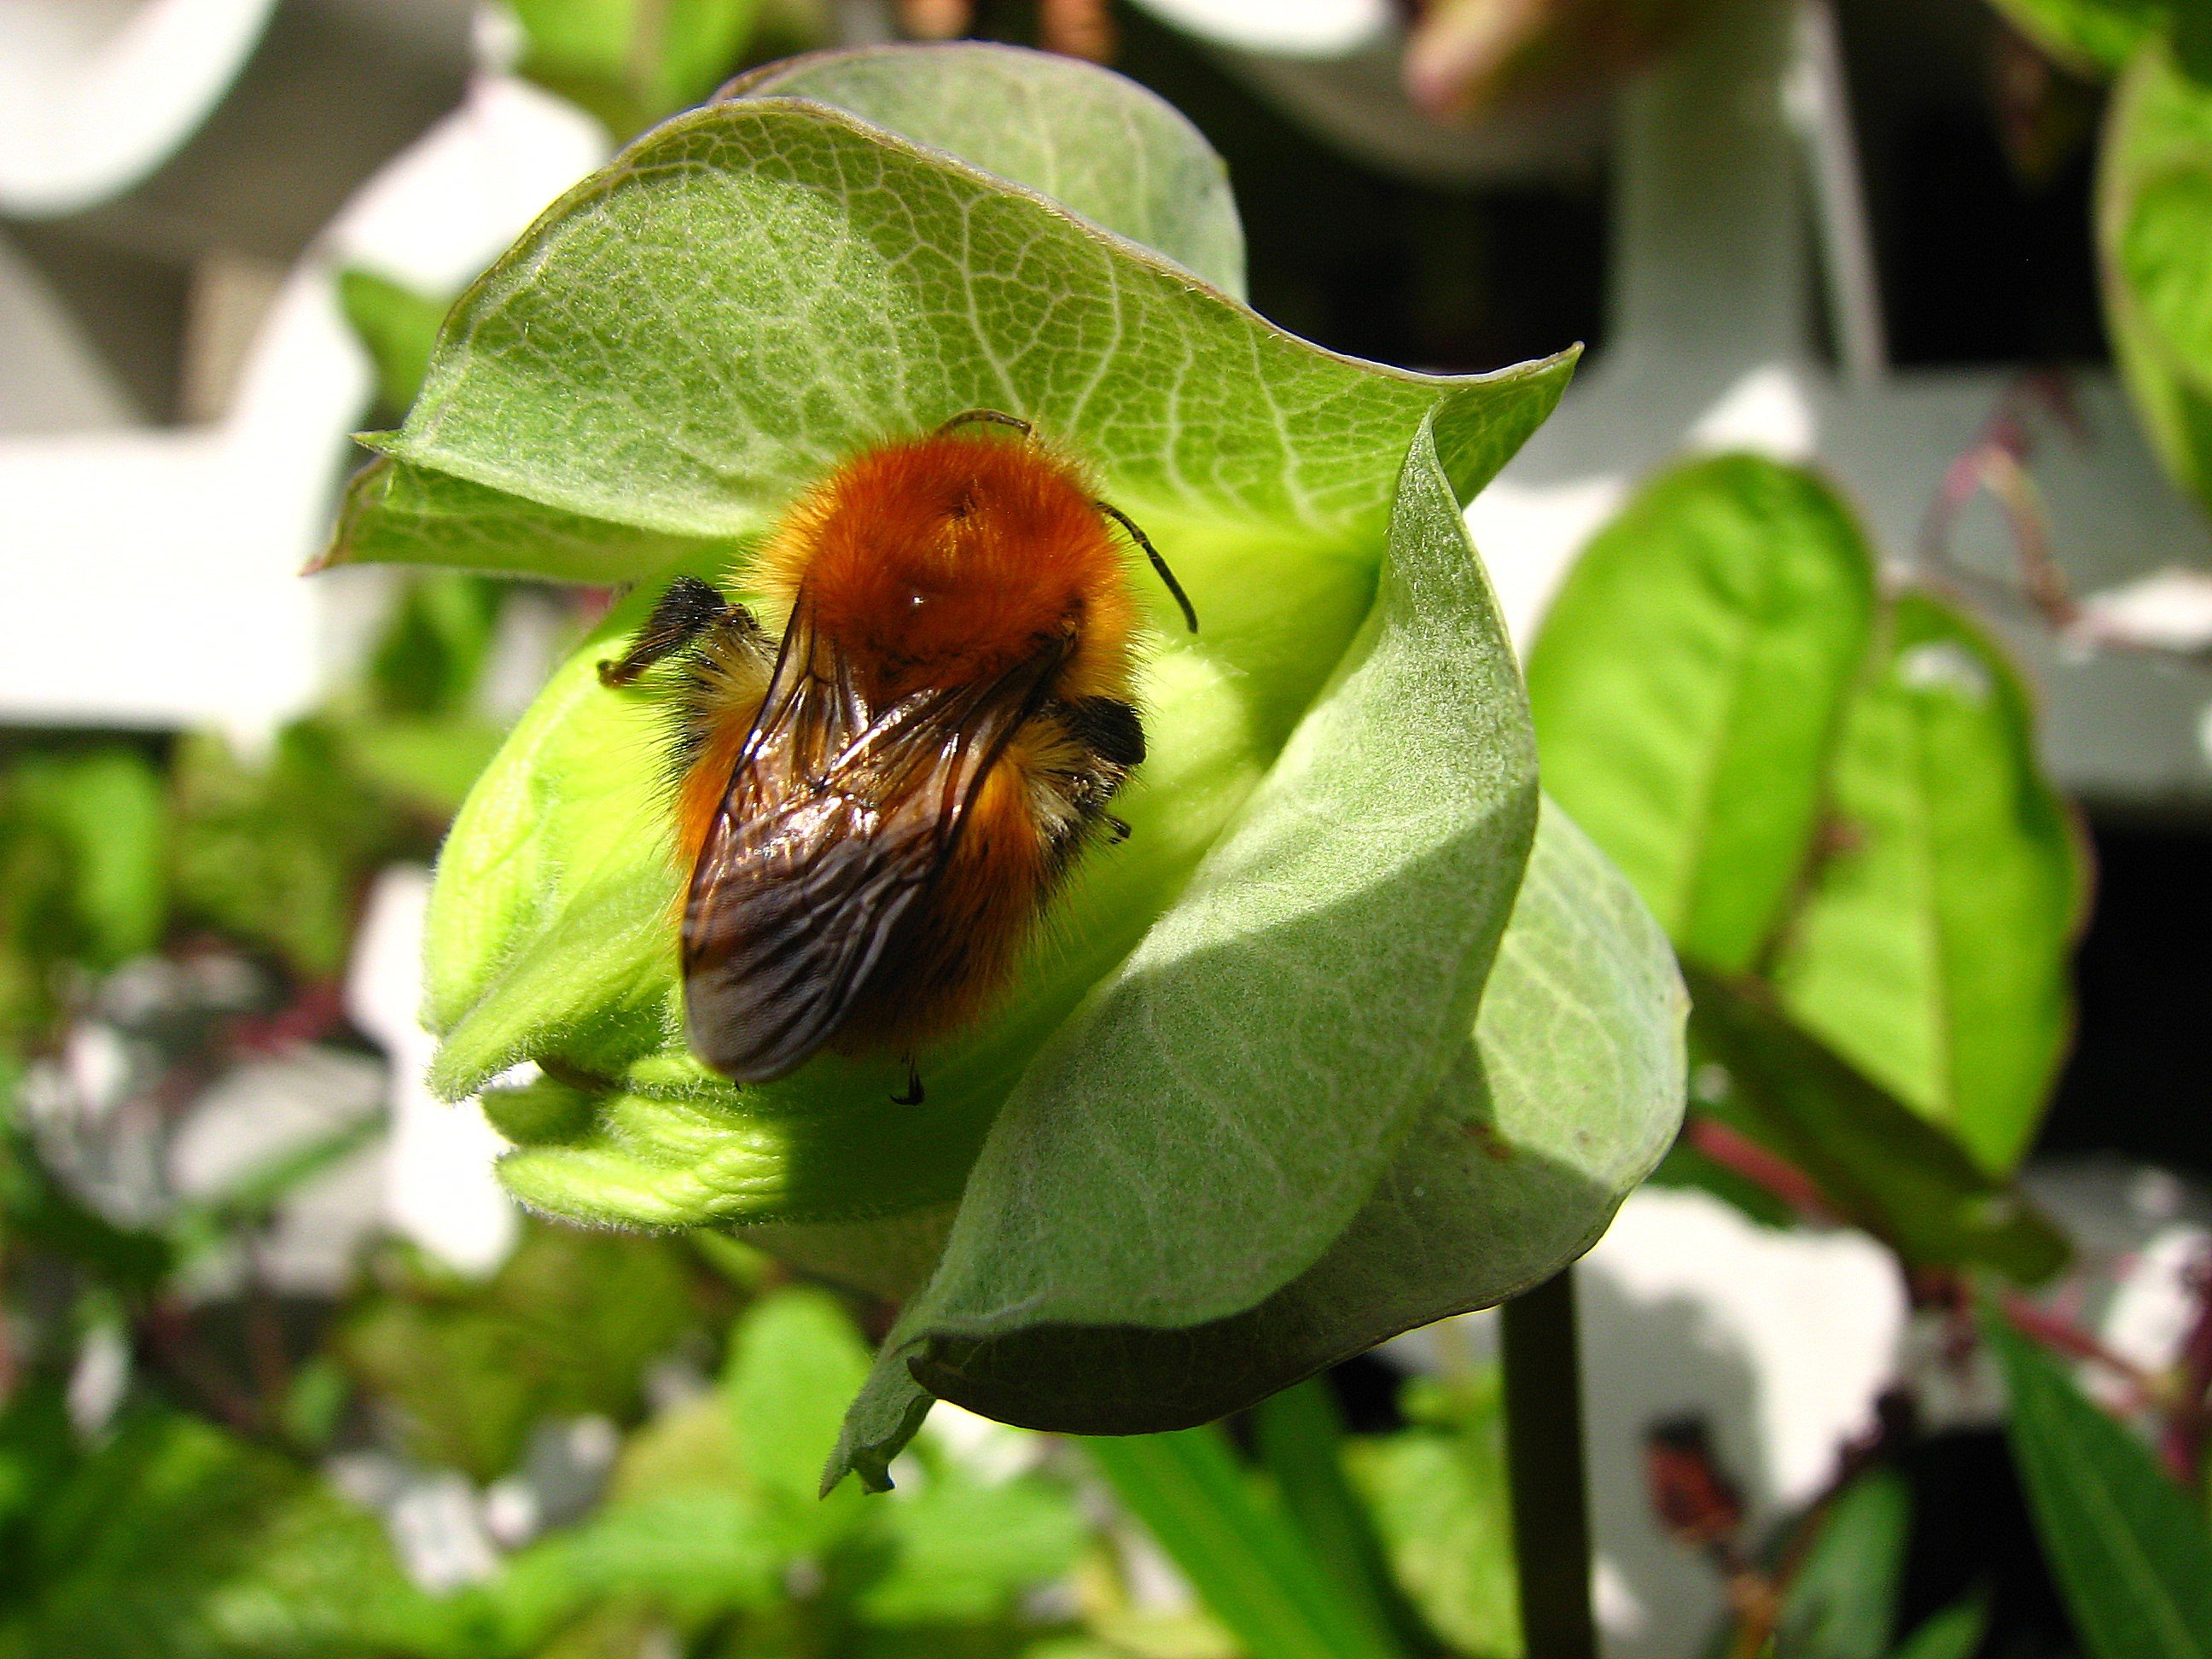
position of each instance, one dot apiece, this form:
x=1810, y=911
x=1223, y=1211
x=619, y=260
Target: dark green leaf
x=1932, y=949
x=105, y=826
x=1687, y=688
x=1252, y=1569
x=1841, y=1603
x=1299, y=1434
x=1954, y=1633
x=1878, y=1164
x=178, y=1542
x=1568, y=1094
x=2128, y=1546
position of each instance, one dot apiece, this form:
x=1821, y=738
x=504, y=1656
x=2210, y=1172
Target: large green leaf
x=2154, y=223
x=1877, y=1163
x=1097, y=144
x=1351, y=914
x=1932, y=949
x=2128, y=1546
x=1568, y=1094
x=756, y=289
x=1686, y=688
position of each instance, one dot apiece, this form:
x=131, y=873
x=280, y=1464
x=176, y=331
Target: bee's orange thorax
x=946, y=560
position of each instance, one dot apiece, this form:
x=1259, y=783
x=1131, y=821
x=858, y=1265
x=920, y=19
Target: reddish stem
x=1738, y=1154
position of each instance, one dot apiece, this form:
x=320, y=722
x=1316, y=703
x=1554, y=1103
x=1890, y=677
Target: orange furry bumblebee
x=874, y=810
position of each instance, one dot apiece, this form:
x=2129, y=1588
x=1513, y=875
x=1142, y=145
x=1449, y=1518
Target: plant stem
x=1544, y=1454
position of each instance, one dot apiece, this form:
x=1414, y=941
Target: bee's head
x=950, y=559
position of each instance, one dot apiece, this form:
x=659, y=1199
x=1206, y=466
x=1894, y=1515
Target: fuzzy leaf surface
x=1566, y=1095
x=755, y=290
x=1098, y=144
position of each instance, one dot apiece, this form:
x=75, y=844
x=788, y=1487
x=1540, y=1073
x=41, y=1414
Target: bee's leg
x=987, y=417
x=687, y=610
x=1117, y=830
x=1189, y=615
x=913, y=1095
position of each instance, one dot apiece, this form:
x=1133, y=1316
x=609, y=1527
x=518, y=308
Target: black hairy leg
x=687, y=610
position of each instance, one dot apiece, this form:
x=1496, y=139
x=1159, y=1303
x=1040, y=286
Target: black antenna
x=1189, y=615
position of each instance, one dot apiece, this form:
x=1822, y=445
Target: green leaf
x=1568, y=1093
x=786, y=244
x=1932, y=949
x=276, y=852
x=398, y=325
x=2128, y=1546
x=177, y=1541
x=1097, y=144
x=1352, y=913
x=1439, y=1494
x=1956, y=1632
x=2092, y=36
x=1879, y=1164
x=394, y=513
x=1687, y=684
x=2153, y=213
x=1841, y=1603
x=631, y=62
x=567, y=1326
x=794, y=1360
x=1299, y=1435
x=963, y=1551
x=105, y=829
x=1253, y=1570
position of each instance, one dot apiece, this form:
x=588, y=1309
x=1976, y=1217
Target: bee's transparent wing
x=835, y=824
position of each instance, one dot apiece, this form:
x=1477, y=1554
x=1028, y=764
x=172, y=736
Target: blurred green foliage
x=632, y=62
x=565, y=1328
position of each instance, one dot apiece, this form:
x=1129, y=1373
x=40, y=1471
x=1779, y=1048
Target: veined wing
x=836, y=821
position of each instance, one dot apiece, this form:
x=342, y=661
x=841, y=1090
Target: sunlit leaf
x=2154, y=212
x=1687, y=685
x=2096, y=36
x=1439, y=1495
x=1932, y=949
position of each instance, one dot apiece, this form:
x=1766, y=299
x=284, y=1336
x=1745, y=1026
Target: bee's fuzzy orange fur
x=933, y=562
